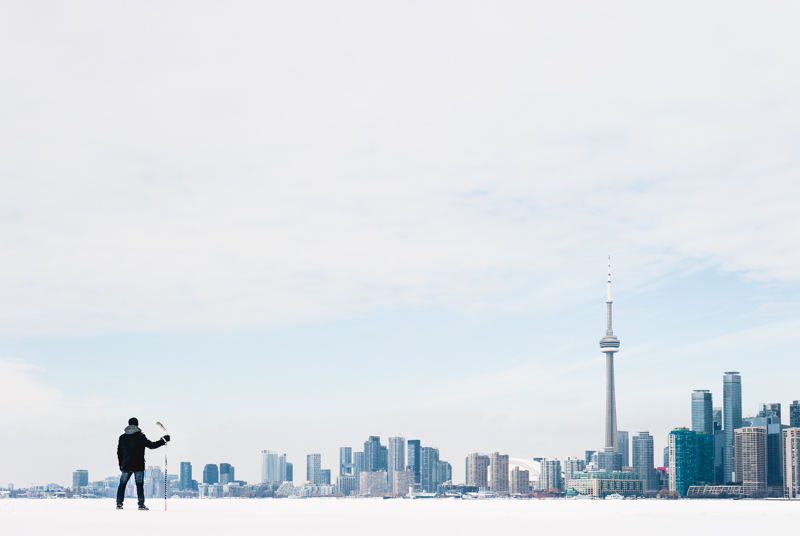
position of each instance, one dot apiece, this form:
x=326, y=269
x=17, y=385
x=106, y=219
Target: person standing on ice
x=130, y=452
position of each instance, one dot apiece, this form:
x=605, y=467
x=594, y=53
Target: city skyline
x=285, y=227
x=393, y=455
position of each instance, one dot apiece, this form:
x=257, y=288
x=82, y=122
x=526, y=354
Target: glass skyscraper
x=80, y=478
x=429, y=469
x=376, y=457
x=273, y=467
x=413, y=458
x=210, y=474
x=732, y=417
x=691, y=459
x=644, y=461
x=550, y=473
x=717, y=412
x=609, y=460
x=314, y=468
x=623, y=447
x=397, y=458
x=346, y=461
x=770, y=410
x=186, y=476
x=702, y=412
x=772, y=423
x=359, y=465
x=794, y=414
x=226, y=473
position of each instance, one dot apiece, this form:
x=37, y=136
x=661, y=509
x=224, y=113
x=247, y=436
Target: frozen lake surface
x=406, y=517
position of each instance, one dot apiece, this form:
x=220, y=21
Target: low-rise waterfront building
x=603, y=483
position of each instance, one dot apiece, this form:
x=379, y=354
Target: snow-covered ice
x=406, y=517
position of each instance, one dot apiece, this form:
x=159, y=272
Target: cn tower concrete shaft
x=611, y=404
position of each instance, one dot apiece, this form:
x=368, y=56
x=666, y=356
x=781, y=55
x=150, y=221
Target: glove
x=166, y=438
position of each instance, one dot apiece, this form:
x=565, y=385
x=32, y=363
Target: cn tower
x=609, y=345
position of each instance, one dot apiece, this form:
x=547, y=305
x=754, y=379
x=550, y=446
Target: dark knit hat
x=133, y=421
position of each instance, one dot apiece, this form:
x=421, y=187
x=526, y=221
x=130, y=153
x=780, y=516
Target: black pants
x=123, y=482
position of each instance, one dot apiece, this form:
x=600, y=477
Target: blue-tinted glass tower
x=732, y=417
x=702, y=412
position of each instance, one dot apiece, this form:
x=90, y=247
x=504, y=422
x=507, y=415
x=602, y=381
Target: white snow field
x=407, y=517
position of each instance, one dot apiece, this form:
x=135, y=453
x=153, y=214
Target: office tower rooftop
x=770, y=410
x=702, y=411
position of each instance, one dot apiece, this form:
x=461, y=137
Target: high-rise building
x=444, y=472
x=397, y=457
x=374, y=458
x=359, y=464
x=429, y=469
x=717, y=413
x=520, y=481
x=347, y=484
x=273, y=467
x=550, y=474
x=791, y=460
x=289, y=471
x=478, y=474
x=643, y=462
x=750, y=464
x=609, y=345
x=383, y=457
x=372, y=483
x=732, y=417
x=609, y=460
x=154, y=482
x=666, y=456
x=794, y=414
x=324, y=477
x=314, y=468
x=226, y=473
x=414, y=447
x=403, y=482
x=498, y=466
x=210, y=474
x=691, y=459
x=186, y=476
x=774, y=445
x=345, y=460
x=702, y=411
x=80, y=478
x=770, y=410
x=719, y=450
x=588, y=456
x=623, y=447
x=572, y=466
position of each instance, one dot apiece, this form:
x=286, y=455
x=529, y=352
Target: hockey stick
x=166, y=484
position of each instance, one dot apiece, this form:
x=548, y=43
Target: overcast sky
x=293, y=225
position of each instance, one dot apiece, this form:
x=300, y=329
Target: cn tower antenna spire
x=609, y=331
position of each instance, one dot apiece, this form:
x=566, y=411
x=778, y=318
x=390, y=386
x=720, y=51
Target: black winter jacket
x=130, y=450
